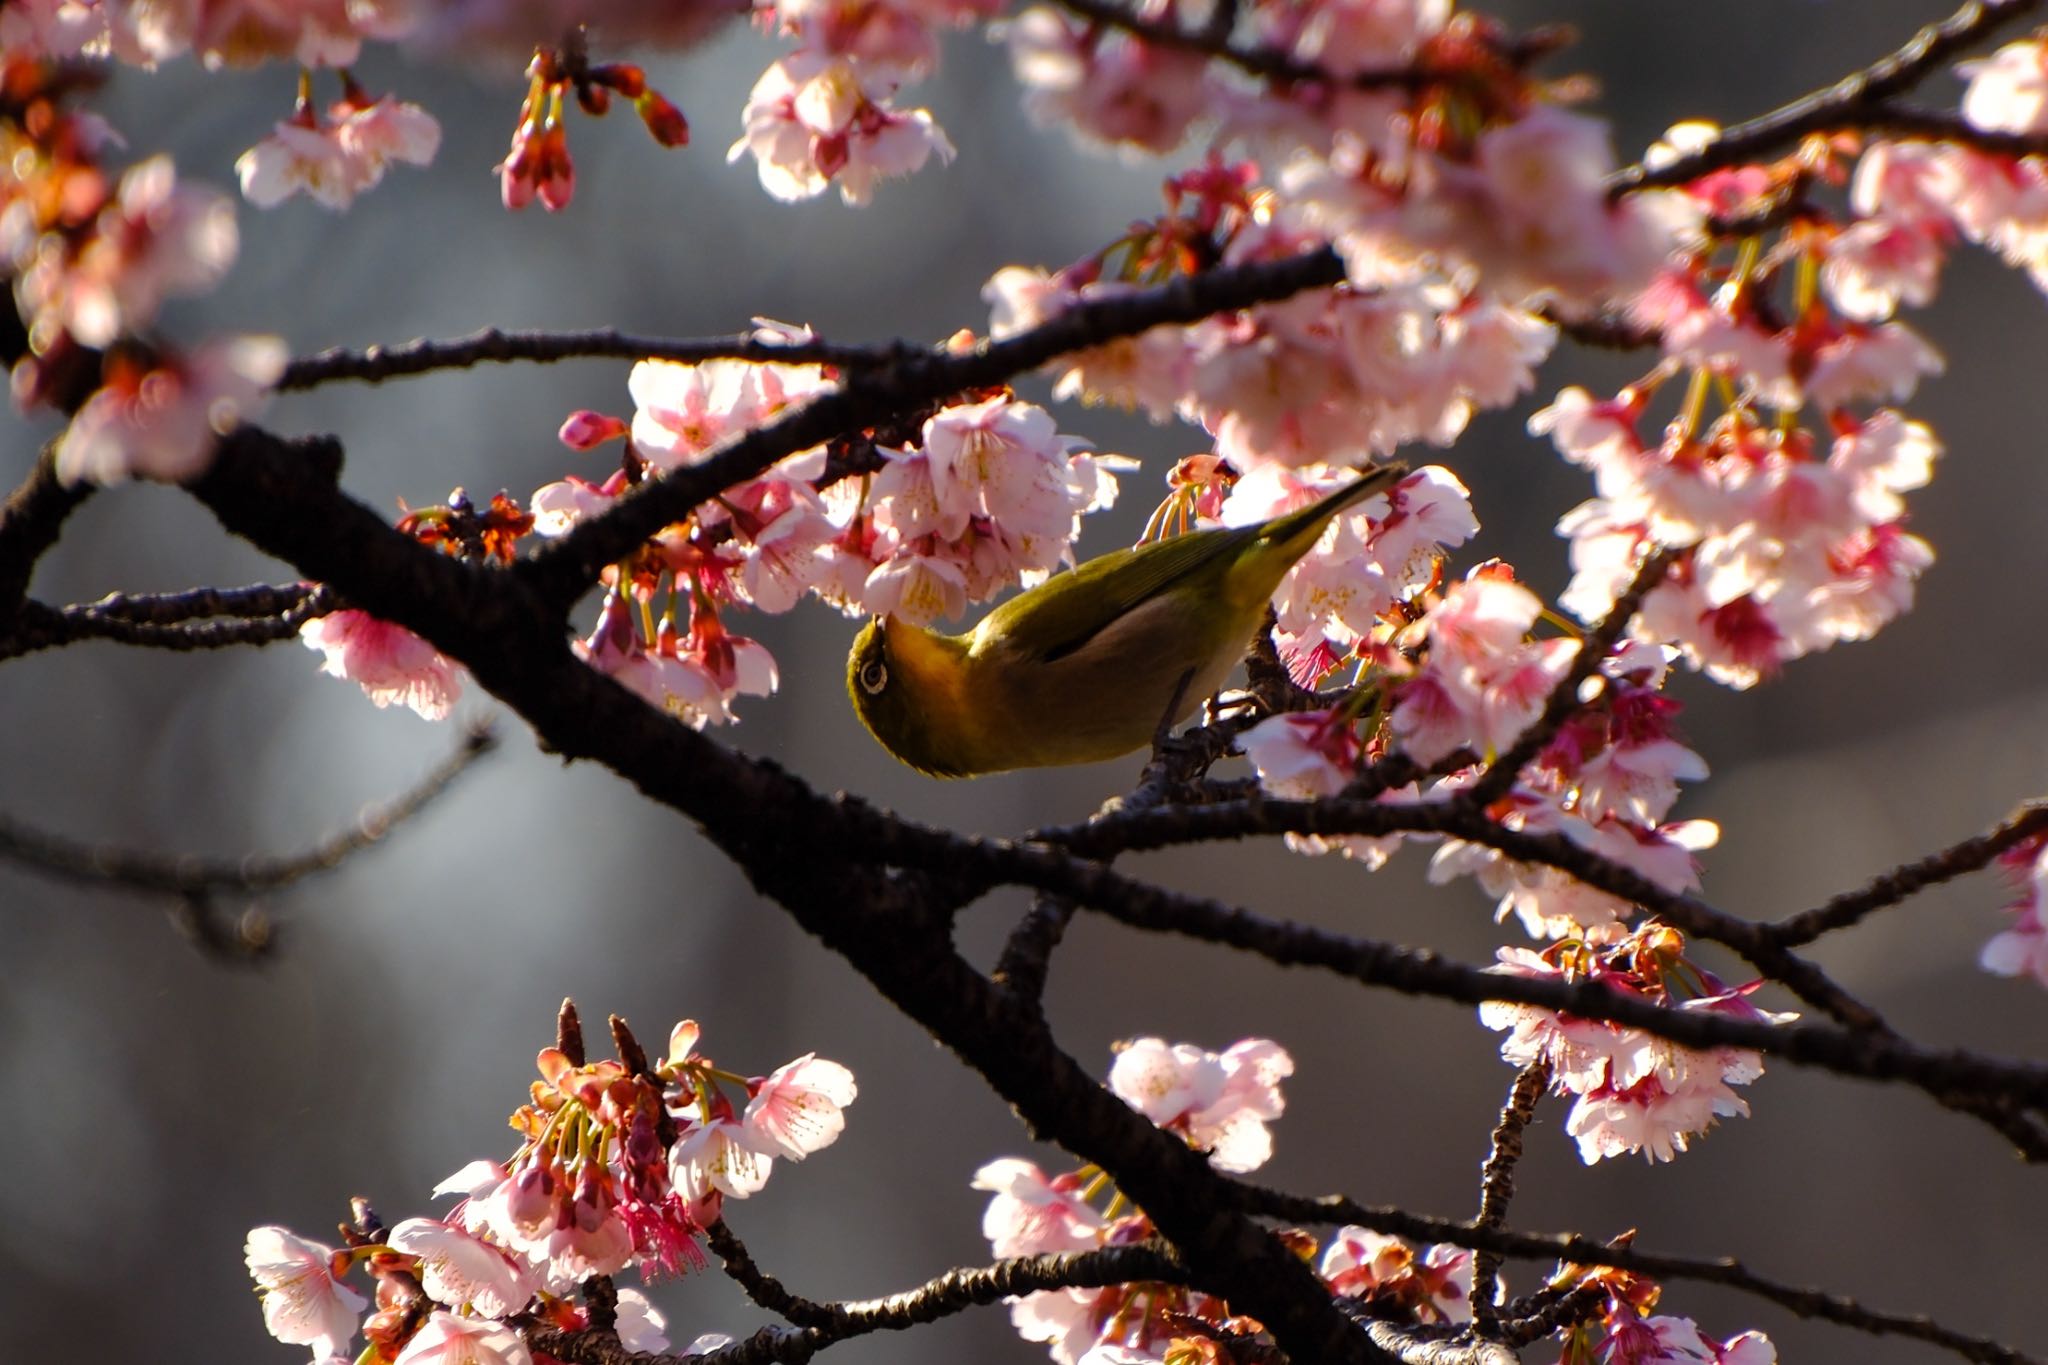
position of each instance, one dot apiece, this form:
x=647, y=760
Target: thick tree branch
x=891, y=929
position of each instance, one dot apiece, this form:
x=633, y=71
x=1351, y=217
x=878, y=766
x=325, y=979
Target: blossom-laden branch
x=375, y=364
x=1576, y=1249
x=195, y=884
x=564, y=569
x=1564, y=699
x=1212, y=39
x=1860, y=100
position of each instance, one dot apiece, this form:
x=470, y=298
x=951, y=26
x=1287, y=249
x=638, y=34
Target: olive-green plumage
x=1084, y=666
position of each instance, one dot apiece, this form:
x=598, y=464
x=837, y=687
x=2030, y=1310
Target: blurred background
x=165, y=1104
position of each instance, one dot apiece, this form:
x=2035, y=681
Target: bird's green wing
x=1063, y=613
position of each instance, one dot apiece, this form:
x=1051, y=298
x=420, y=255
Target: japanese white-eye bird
x=1086, y=665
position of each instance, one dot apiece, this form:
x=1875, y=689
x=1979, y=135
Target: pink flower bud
x=587, y=430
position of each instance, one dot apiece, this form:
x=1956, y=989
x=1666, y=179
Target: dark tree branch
x=30, y=521
x=1497, y=1186
x=1212, y=39
x=176, y=608
x=763, y=1288
x=1575, y=1249
x=1173, y=769
x=941, y=1297
x=43, y=627
x=374, y=364
x=191, y=878
x=1908, y=879
x=1845, y=104
x=1350, y=815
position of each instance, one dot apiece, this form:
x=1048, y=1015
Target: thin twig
x=1837, y=106
x=1564, y=699
x=941, y=1297
x=1577, y=1249
x=190, y=878
x=374, y=364
x=1908, y=879
x=42, y=627
x=1497, y=1186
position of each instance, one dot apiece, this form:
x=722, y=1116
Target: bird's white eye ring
x=874, y=676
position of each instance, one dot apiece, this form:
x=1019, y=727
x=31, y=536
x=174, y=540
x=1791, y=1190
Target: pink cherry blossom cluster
x=1605, y=782
x=1469, y=173
x=989, y=494
x=1434, y=1287
x=1457, y=677
x=330, y=158
x=825, y=113
x=615, y=1170
x=1628, y=1332
x=217, y=32
x=1627, y=1339
x=334, y=157
x=1787, y=551
x=1633, y=1092
x=1217, y=1103
x=92, y=260
x=1332, y=376
x=1370, y=558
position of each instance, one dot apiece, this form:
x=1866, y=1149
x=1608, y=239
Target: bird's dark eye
x=874, y=676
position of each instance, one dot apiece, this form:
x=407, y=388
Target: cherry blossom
x=162, y=421
x=1220, y=1103
x=2009, y=89
x=1436, y=1286
x=641, y=1326
x=1663, y=1340
x=723, y=1155
x=303, y=1303
x=462, y=1271
x=1032, y=1214
x=2021, y=949
x=156, y=238
x=797, y=1109
x=1634, y=1092
x=332, y=162
x=813, y=120
x=1111, y=88
x=389, y=662
x=446, y=1339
